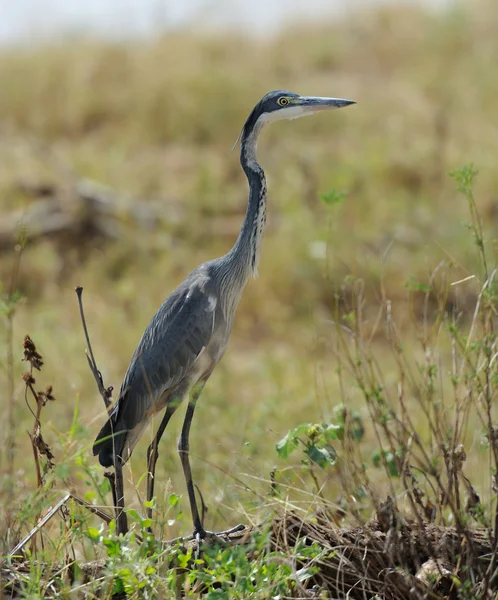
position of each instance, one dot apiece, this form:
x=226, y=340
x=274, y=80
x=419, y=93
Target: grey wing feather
x=169, y=347
x=177, y=334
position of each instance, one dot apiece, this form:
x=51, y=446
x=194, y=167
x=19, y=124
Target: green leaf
x=124, y=573
x=333, y=197
x=306, y=573
x=415, y=286
x=354, y=422
x=90, y=496
x=465, y=177
x=340, y=413
x=113, y=548
x=183, y=559
x=173, y=499
x=320, y=456
x=301, y=429
x=93, y=533
x=217, y=595
x=117, y=586
x=376, y=458
x=334, y=432
x=287, y=445
x=131, y=512
x=379, y=457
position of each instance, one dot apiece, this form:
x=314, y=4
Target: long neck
x=247, y=249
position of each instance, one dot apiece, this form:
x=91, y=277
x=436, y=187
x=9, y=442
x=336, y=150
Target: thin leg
x=121, y=518
x=153, y=454
x=111, y=478
x=183, y=449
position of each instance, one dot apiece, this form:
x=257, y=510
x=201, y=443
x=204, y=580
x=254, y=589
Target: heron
x=188, y=335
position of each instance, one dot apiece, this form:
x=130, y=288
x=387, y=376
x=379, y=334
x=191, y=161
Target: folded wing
x=169, y=347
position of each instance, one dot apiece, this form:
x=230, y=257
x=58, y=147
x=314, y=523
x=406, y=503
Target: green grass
x=160, y=129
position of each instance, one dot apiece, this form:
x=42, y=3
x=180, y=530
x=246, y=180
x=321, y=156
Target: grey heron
x=188, y=335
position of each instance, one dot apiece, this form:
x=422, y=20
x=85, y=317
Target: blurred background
x=132, y=18
x=117, y=121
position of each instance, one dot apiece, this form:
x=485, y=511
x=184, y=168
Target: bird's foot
x=220, y=537
x=238, y=528
x=200, y=535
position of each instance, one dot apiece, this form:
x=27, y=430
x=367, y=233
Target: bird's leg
x=121, y=518
x=183, y=449
x=153, y=454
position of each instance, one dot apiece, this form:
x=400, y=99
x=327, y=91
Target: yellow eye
x=283, y=101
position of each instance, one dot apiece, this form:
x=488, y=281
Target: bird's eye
x=283, y=101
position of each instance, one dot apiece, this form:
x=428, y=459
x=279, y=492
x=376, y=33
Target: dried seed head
x=30, y=353
x=459, y=457
x=473, y=499
x=48, y=393
x=42, y=447
x=40, y=398
x=28, y=378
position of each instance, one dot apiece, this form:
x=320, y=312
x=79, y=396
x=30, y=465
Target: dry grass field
x=371, y=271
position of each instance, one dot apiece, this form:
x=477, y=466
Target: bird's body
x=189, y=334
x=185, y=340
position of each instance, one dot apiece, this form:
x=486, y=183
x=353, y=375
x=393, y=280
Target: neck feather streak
x=247, y=248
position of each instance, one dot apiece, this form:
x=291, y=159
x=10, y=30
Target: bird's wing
x=169, y=347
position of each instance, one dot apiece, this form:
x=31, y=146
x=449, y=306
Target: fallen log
x=84, y=211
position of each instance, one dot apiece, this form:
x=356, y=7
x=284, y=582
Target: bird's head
x=282, y=104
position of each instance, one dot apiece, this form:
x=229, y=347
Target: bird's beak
x=303, y=106
x=311, y=104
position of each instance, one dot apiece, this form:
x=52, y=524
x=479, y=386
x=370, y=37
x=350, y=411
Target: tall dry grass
x=157, y=120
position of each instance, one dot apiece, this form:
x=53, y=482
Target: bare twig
x=42, y=522
x=106, y=393
x=116, y=482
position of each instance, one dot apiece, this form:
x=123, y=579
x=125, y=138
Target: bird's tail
x=109, y=444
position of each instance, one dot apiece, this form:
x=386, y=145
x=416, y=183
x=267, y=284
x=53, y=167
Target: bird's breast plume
x=237, y=140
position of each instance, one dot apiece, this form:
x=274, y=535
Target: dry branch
x=53, y=511
x=115, y=479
